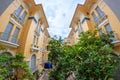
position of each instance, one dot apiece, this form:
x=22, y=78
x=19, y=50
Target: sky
x=59, y=14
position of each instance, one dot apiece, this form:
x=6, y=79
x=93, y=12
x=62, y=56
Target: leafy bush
x=14, y=67
x=90, y=59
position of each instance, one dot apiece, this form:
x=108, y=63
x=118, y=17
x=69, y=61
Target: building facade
x=23, y=28
x=101, y=14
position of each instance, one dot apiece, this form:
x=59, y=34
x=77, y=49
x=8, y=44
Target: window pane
x=33, y=62
x=95, y=17
x=109, y=31
x=15, y=35
x=108, y=28
x=37, y=41
x=34, y=39
x=100, y=12
x=23, y=16
x=7, y=31
x=101, y=32
x=18, y=11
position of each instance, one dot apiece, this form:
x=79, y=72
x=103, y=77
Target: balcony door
x=110, y=32
x=6, y=33
x=33, y=62
x=15, y=35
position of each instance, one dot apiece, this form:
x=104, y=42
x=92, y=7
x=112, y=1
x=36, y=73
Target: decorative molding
x=19, y=25
x=102, y=23
x=7, y=43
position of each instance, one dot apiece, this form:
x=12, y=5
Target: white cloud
x=59, y=14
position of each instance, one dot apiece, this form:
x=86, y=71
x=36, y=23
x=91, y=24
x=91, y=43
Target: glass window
x=100, y=12
x=38, y=29
x=15, y=35
x=37, y=41
x=34, y=39
x=33, y=62
x=108, y=28
x=7, y=32
x=68, y=41
x=110, y=32
x=18, y=11
x=95, y=17
x=47, y=48
x=101, y=32
x=23, y=16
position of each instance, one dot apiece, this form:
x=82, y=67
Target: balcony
x=16, y=20
x=34, y=68
x=8, y=40
x=115, y=39
x=35, y=48
x=37, y=32
x=99, y=20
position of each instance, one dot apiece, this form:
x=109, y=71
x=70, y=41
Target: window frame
x=4, y=37
x=18, y=11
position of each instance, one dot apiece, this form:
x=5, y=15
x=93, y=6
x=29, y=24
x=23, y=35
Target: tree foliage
x=14, y=67
x=90, y=59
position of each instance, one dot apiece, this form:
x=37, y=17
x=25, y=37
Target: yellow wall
x=27, y=30
x=86, y=11
x=112, y=20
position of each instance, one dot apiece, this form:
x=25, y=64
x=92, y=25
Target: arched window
x=33, y=62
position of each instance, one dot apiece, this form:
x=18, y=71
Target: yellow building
x=101, y=14
x=23, y=28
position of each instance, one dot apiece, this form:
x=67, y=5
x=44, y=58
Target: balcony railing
x=37, y=33
x=6, y=37
x=99, y=20
x=17, y=19
x=35, y=47
x=115, y=39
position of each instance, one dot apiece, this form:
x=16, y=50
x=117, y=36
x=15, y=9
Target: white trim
x=116, y=43
x=35, y=48
x=117, y=53
x=9, y=43
x=103, y=22
x=19, y=25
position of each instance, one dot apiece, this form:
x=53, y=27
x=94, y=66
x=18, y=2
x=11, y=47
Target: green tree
x=21, y=68
x=14, y=67
x=55, y=56
x=90, y=59
x=96, y=59
x=5, y=66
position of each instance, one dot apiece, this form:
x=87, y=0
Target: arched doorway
x=33, y=63
x=33, y=66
